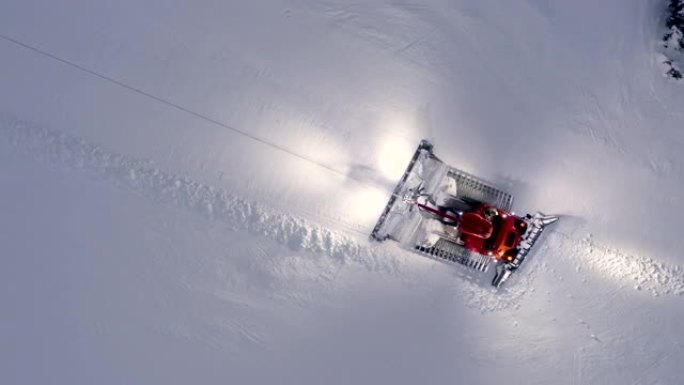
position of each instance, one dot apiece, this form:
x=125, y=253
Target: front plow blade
x=535, y=227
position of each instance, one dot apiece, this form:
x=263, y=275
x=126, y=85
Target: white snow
x=187, y=189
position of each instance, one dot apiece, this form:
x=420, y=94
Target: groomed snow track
x=70, y=153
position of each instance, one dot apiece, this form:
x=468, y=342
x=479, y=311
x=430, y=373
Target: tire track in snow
x=72, y=153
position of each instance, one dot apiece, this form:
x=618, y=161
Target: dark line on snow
x=176, y=106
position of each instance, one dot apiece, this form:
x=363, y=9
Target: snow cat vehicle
x=445, y=213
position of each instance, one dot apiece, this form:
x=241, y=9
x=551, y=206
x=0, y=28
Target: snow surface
x=187, y=190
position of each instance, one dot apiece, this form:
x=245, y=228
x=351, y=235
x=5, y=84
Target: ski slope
x=188, y=189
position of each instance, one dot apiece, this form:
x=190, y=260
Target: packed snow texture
x=188, y=189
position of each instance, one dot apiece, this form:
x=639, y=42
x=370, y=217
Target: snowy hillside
x=188, y=189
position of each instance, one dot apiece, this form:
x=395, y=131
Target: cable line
x=178, y=107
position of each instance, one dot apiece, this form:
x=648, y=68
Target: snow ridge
x=641, y=272
x=64, y=151
x=626, y=269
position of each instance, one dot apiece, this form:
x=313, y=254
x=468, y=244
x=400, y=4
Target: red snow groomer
x=443, y=212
